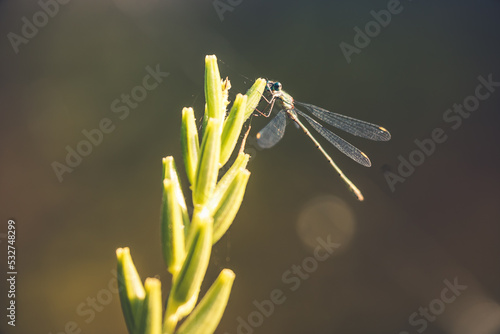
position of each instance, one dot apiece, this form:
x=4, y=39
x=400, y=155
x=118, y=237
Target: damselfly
x=272, y=133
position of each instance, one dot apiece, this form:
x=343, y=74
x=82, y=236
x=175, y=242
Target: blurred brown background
x=398, y=253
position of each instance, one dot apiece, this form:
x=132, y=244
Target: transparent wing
x=342, y=145
x=272, y=133
x=348, y=124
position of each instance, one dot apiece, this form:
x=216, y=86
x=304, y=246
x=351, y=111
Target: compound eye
x=277, y=86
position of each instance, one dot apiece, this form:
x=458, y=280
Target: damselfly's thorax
x=275, y=89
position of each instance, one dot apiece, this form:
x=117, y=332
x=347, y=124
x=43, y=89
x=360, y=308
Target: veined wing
x=342, y=145
x=348, y=124
x=272, y=133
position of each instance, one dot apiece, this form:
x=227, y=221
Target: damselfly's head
x=273, y=86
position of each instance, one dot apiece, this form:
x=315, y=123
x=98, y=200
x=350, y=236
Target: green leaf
x=254, y=96
x=152, y=308
x=232, y=128
x=186, y=285
x=213, y=89
x=230, y=204
x=172, y=229
x=130, y=289
x=206, y=316
x=224, y=183
x=190, y=144
x=208, y=167
x=170, y=173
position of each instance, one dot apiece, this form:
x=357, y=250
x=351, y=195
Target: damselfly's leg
x=270, y=104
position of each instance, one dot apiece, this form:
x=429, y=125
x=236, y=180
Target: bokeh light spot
x=323, y=216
